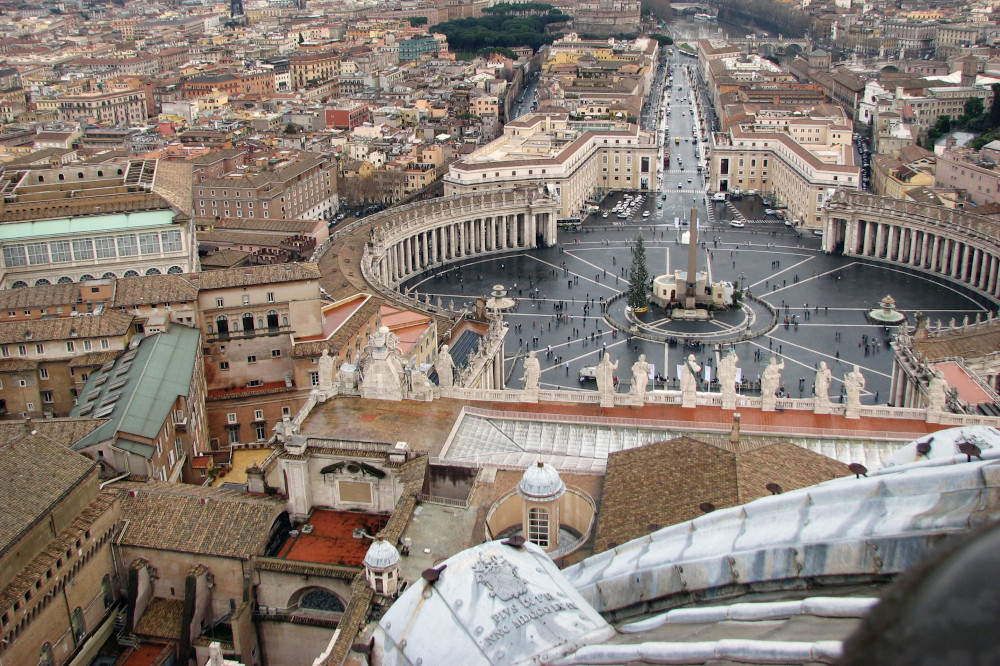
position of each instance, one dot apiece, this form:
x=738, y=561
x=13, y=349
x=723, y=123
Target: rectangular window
x=105, y=247
x=13, y=255
x=234, y=434
x=70, y=346
x=22, y=350
x=218, y=302
x=60, y=251
x=286, y=411
x=43, y=373
x=38, y=253
x=46, y=396
x=223, y=365
x=5, y=351
x=231, y=418
x=270, y=297
x=314, y=379
x=104, y=343
x=260, y=431
x=275, y=353
x=149, y=243
x=87, y=345
x=251, y=359
x=127, y=246
x=30, y=406
x=258, y=415
x=39, y=348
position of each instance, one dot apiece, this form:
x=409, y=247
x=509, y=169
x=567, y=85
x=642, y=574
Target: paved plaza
x=790, y=272
x=560, y=290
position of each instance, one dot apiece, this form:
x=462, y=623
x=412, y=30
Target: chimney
x=734, y=434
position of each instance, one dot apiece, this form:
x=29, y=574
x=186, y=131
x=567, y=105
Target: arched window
x=65, y=280
x=222, y=324
x=85, y=277
x=78, y=625
x=248, y=323
x=107, y=591
x=62, y=177
x=109, y=276
x=153, y=271
x=272, y=319
x=19, y=284
x=538, y=527
x=131, y=274
x=41, y=179
x=175, y=270
x=100, y=174
x=42, y=282
x=316, y=598
x=45, y=655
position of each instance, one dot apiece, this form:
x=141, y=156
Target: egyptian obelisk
x=690, y=294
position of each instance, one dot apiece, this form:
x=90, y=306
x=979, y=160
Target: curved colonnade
x=408, y=241
x=956, y=245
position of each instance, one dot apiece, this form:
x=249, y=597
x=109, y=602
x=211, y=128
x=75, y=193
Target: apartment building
x=310, y=69
x=44, y=361
x=249, y=318
x=126, y=107
x=251, y=82
x=348, y=116
x=975, y=173
x=152, y=398
x=795, y=159
x=289, y=185
x=575, y=160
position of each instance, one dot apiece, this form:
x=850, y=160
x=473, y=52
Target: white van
x=719, y=196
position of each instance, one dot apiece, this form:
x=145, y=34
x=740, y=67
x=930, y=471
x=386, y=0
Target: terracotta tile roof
x=162, y=619
x=62, y=431
x=149, y=289
x=225, y=236
x=342, y=335
x=976, y=342
x=40, y=297
x=109, y=323
x=276, y=225
x=94, y=359
x=225, y=258
x=351, y=621
x=17, y=365
x=39, y=473
x=663, y=484
x=254, y=275
x=171, y=516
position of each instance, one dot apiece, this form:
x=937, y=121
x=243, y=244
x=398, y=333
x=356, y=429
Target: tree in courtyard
x=995, y=106
x=639, y=276
x=974, y=107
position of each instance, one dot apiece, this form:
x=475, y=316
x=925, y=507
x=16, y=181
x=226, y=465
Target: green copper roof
x=137, y=391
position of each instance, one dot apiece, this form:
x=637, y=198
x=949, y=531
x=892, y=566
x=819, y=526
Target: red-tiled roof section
x=332, y=540
x=253, y=275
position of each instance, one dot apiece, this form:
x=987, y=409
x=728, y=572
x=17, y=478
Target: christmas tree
x=638, y=297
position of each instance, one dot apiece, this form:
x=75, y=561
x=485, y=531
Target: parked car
x=770, y=211
x=736, y=223
x=719, y=196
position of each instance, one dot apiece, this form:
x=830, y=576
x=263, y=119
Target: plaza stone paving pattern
x=779, y=266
